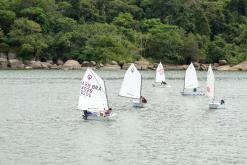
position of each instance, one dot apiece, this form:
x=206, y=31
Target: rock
x=204, y=67
x=142, y=64
x=226, y=68
x=101, y=65
x=54, y=66
x=175, y=67
x=60, y=62
x=151, y=67
x=93, y=63
x=50, y=62
x=11, y=56
x=71, y=64
x=126, y=66
x=36, y=64
x=222, y=62
x=16, y=64
x=111, y=67
x=242, y=66
x=85, y=64
x=28, y=67
x=46, y=65
x=196, y=64
x=216, y=65
x=3, y=61
x=114, y=63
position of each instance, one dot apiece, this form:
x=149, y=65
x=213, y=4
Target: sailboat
x=93, y=97
x=211, y=91
x=191, y=82
x=160, y=79
x=132, y=85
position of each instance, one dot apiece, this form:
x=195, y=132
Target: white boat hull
x=192, y=93
x=215, y=105
x=97, y=116
x=138, y=104
x=161, y=85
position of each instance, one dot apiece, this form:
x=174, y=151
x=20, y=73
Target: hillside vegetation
x=173, y=31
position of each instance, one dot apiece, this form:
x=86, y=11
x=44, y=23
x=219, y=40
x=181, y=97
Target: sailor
x=86, y=113
x=222, y=102
x=163, y=83
x=143, y=99
x=194, y=90
x=108, y=112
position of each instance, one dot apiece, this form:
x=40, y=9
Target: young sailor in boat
x=222, y=102
x=107, y=112
x=86, y=114
x=143, y=99
x=194, y=90
x=163, y=83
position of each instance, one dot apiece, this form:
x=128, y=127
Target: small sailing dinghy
x=211, y=91
x=160, y=79
x=93, y=97
x=132, y=85
x=191, y=83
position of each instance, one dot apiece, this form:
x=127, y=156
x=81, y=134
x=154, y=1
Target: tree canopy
x=171, y=31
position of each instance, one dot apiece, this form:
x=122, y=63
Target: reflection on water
x=39, y=123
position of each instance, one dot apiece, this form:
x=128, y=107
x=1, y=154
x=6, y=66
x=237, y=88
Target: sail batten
x=92, y=93
x=131, y=85
x=191, y=81
x=160, y=74
x=210, y=83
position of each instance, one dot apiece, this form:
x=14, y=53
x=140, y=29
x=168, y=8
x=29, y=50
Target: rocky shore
x=10, y=61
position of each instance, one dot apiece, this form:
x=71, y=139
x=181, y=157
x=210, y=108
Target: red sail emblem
x=89, y=77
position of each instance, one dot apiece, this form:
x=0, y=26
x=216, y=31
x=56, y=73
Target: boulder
x=175, y=67
x=226, y=68
x=71, y=64
x=85, y=64
x=11, y=55
x=50, y=62
x=60, y=62
x=93, y=63
x=242, y=66
x=126, y=66
x=222, y=62
x=111, y=67
x=36, y=64
x=16, y=64
x=46, y=65
x=142, y=64
x=114, y=63
x=216, y=65
x=3, y=61
x=151, y=67
x=54, y=66
x=196, y=64
x=204, y=67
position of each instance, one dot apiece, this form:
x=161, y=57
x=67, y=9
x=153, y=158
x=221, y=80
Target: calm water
x=39, y=123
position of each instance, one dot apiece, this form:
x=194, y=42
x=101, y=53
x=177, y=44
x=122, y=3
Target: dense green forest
x=173, y=31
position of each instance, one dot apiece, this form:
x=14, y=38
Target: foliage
x=173, y=31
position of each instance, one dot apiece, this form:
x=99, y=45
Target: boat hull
x=161, y=86
x=215, y=105
x=97, y=116
x=192, y=93
x=138, y=104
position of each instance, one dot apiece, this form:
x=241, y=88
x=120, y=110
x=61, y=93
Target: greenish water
x=39, y=123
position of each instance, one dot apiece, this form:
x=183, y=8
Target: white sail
x=92, y=93
x=131, y=85
x=160, y=74
x=210, y=83
x=190, y=81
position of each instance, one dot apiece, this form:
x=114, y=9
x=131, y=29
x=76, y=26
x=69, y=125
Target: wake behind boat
x=132, y=85
x=93, y=97
x=191, y=83
x=211, y=91
x=160, y=79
